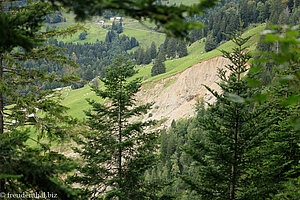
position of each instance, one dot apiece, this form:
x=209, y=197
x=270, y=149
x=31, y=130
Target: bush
x=82, y=36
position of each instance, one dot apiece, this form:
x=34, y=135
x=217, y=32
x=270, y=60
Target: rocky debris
x=177, y=100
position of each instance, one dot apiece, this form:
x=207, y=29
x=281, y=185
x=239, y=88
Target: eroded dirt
x=176, y=96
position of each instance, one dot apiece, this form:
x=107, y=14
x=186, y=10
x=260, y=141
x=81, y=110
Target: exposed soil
x=176, y=96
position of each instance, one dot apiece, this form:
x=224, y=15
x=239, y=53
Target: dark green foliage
x=107, y=14
x=278, y=154
x=153, y=51
x=210, y=43
x=225, y=17
x=115, y=150
x=23, y=103
x=262, y=11
x=159, y=65
x=139, y=56
x=171, y=18
x=117, y=27
x=147, y=57
x=276, y=8
x=20, y=30
x=249, y=12
x=280, y=57
x=277, y=168
x=228, y=134
x=182, y=49
x=162, y=53
x=133, y=42
x=171, y=48
x=32, y=169
x=174, y=162
x=55, y=18
x=222, y=19
x=91, y=57
x=82, y=36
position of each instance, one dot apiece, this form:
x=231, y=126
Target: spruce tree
x=153, y=50
x=276, y=172
x=116, y=149
x=277, y=156
x=181, y=49
x=23, y=167
x=171, y=48
x=210, y=43
x=159, y=65
x=140, y=56
x=229, y=133
x=147, y=57
x=171, y=18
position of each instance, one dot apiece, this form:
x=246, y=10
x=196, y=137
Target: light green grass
x=145, y=37
x=76, y=99
x=178, y=65
x=131, y=27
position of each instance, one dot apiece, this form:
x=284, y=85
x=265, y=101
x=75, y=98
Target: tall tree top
x=170, y=17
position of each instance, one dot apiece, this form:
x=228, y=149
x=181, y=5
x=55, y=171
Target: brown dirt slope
x=175, y=96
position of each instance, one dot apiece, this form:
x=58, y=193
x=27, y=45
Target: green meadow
x=76, y=99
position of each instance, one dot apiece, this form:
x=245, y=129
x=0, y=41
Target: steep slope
x=175, y=91
x=175, y=96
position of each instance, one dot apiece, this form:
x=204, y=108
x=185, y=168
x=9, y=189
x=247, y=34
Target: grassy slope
x=76, y=99
x=132, y=28
x=195, y=56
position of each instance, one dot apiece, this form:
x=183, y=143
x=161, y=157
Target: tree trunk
x=2, y=181
x=235, y=140
x=120, y=136
x=233, y=167
x=1, y=99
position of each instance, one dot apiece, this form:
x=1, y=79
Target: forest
x=243, y=145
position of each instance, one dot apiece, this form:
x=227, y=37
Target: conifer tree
x=171, y=48
x=116, y=150
x=147, y=57
x=153, y=50
x=159, y=65
x=22, y=102
x=228, y=134
x=171, y=18
x=210, y=43
x=276, y=172
x=140, y=56
x=277, y=156
x=181, y=49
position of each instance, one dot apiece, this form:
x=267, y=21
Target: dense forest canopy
x=245, y=145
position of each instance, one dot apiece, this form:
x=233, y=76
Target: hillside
x=175, y=91
x=131, y=28
x=176, y=95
